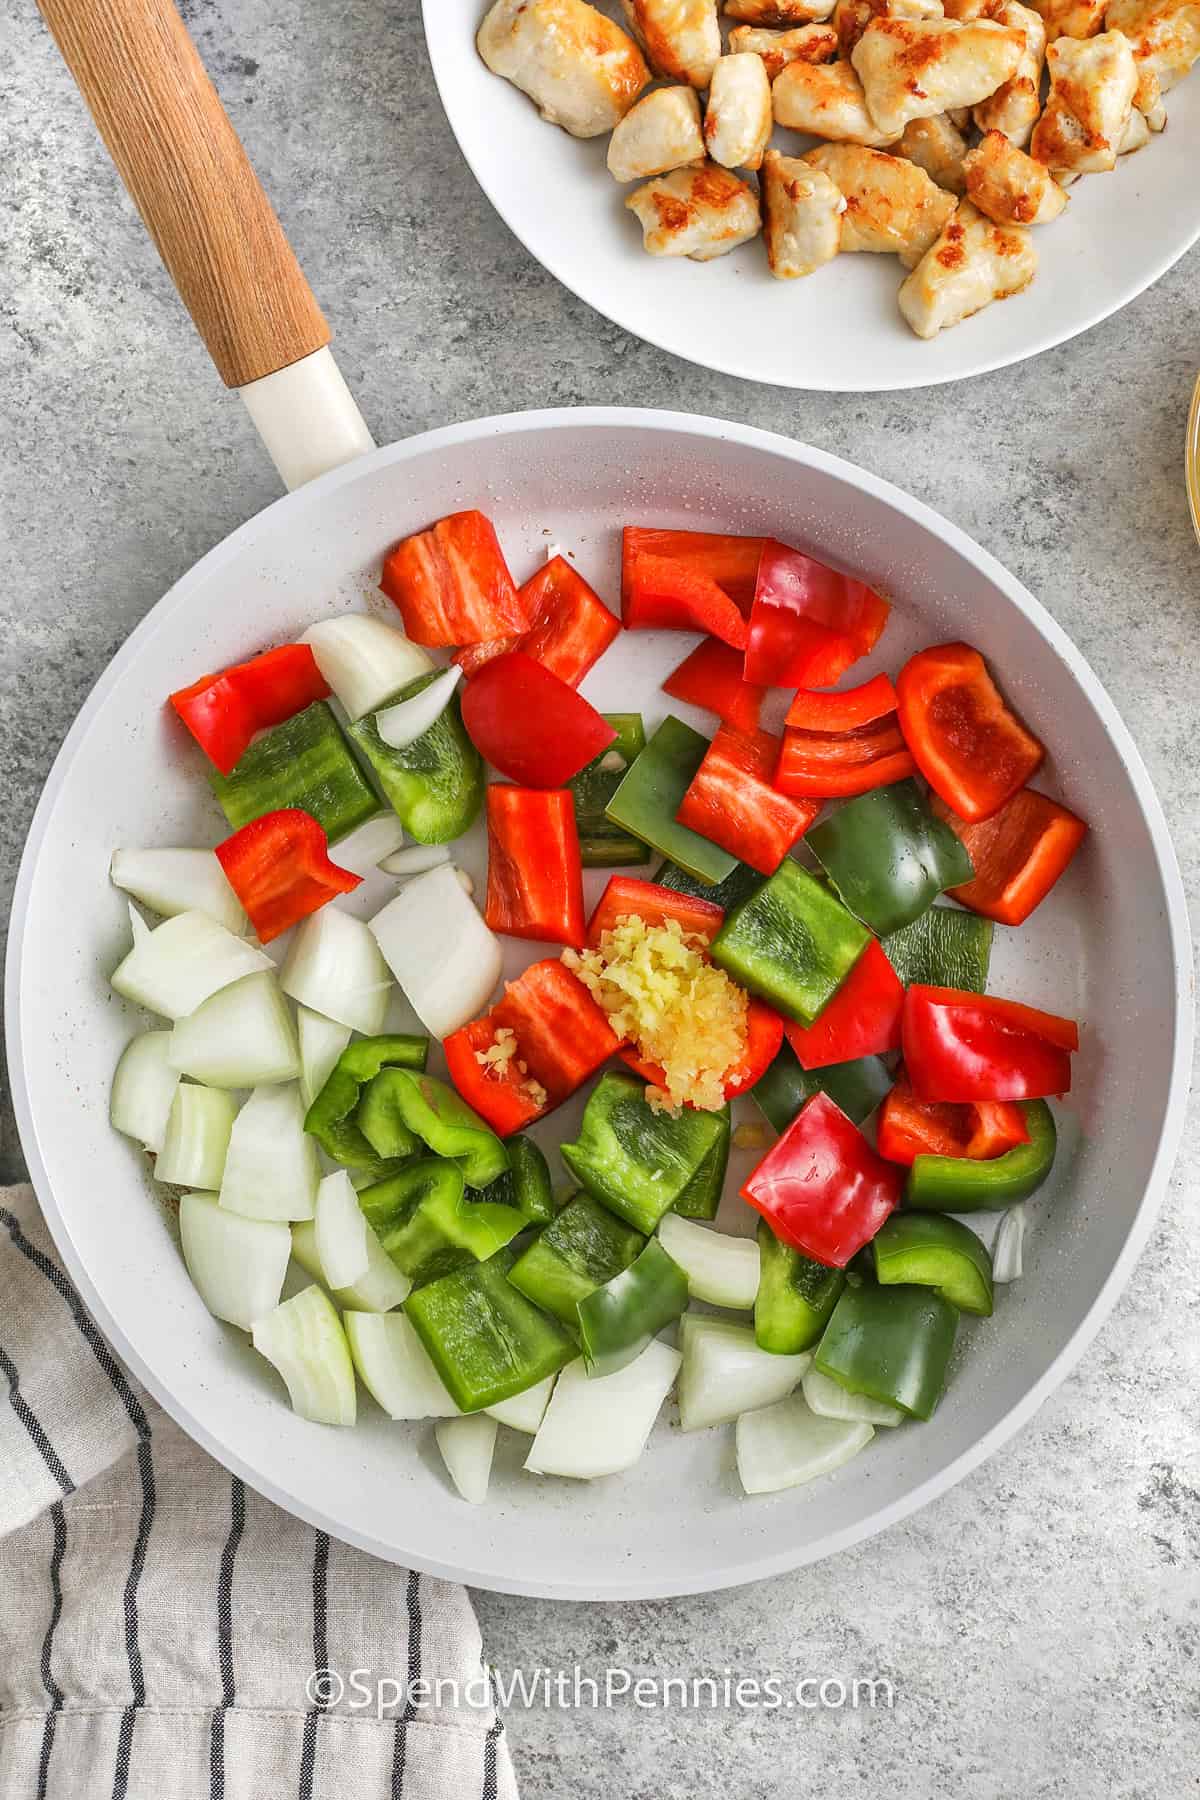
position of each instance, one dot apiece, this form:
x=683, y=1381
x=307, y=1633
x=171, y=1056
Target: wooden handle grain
x=191, y=180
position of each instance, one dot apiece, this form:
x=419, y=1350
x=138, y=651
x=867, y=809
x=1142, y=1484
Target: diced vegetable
x=426, y=1224
x=888, y=857
x=794, y=1298
x=943, y=948
x=701, y=1198
x=857, y=1087
x=341, y=1231
x=365, y=848
x=1008, y=1250
x=637, y=1161
x=726, y=894
x=224, y=711
x=893, y=1344
x=484, y=1338
x=730, y=561
x=402, y=722
x=570, y=626
x=364, y=661
x=909, y=1127
x=862, y=1019
x=651, y=793
x=664, y=593
x=331, y=1118
x=1018, y=854
x=831, y=765
x=196, y=1138
x=535, y=877
x=972, y=750
x=827, y=713
x=618, y=1320
x=467, y=1446
x=433, y=784
x=731, y=800
x=822, y=1188
x=724, y=1372
x=600, y=1425
x=379, y=1290
x=935, y=1251
x=711, y=677
x=439, y=949
x=380, y=1114
x=178, y=881
x=334, y=967
x=786, y=1445
x=306, y=763
x=808, y=623
x=279, y=868
x=176, y=967
x=830, y=1400
x=792, y=942
x=525, y=1183
x=271, y=1167
x=580, y=1250
x=394, y=1367
x=530, y=725
x=978, y=1047
x=452, y=585
x=603, y=845
x=627, y=896
x=443, y=1121
x=143, y=1088
x=321, y=1043
x=237, y=1265
x=242, y=1036
x=526, y=1410
x=720, y=1269
x=415, y=859
x=304, y=1340
x=957, y=1184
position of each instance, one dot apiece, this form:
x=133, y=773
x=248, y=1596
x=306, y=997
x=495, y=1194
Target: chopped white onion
x=404, y=723
x=304, y=1339
x=467, y=1445
x=196, y=1140
x=175, y=968
x=237, y=1264
x=364, y=661
x=321, y=1043
x=720, y=1269
x=439, y=950
x=178, y=881
x=334, y=967
x=242, y=1036
x=725, y=1373
x=526, y=1410
x=143, y=1089
x=364, y=848
x=382, y=1287
x=138, y=928
x=341, y=1231
x=271, y=1171
x=785, y=1445
x=985, y=1225
x=1008, y=1253
x=304, y=1249
x=414, y=859
x=395, y=1368
x=832, y=1401
x=599, y=1425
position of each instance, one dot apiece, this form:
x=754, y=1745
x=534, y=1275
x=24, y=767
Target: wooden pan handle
x=191, y=180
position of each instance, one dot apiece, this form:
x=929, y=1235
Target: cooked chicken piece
x=1014, y=107
x=1137, y=134
x=826, y=100
x=1148, y=98
x=807, y=43
x=579, y=69
x=699, y=213
x=737, y=119
x=938, y=147
x=1165, y=34
x=1009, y=186
x=783, y=13
x=802, y=216
x=891, y=205
x=661, y=132
x=1072, y=18
x=914, y=68
x=972, y=263
x=851, y=17
x=1092, y=84
x=682, y=38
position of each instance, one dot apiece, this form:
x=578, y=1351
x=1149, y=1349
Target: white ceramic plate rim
x=755, y=1567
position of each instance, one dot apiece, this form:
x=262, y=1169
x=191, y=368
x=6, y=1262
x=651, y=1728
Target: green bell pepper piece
x=943, y=948
x=525, y=1184
x=933, y=1250
x=651, y=793
x=636, y=1161
x=701, y=1198
x=888, y=856
x=579, y=1251
x=332, y=1117
x=379, y=1118
x=728, y=893
x=857, y=1087
x=428, y=1226
x=434, y=1112
x=435, y=784
x=891, y=1343
x=603, y=845
x=792, y=942
x=795, y=1296
x=617, y=1321
x=305, y=762
x=966, y=1184
x=486, y=1341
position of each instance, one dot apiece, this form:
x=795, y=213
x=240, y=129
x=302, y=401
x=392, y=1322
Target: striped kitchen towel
x=167, y=1634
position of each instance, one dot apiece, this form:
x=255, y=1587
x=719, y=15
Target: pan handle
x=223, y=246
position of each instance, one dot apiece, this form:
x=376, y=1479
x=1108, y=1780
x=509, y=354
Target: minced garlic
x=661, y=993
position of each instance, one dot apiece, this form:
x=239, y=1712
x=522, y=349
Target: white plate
x=1111, y=946
x=840, y=329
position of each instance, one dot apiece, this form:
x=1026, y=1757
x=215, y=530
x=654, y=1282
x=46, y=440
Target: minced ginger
x=660, y=992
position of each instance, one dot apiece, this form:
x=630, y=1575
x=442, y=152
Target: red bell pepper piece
x=834, y=765
x=862, y=1019
x=732, y=803
x=970, y=748
x=451, y=583
x=822, y=1188
x=909, y=1127
x=535, y=876
x=557, y=1032
x=571, y=626
x=529, y=724
x=846, y=709
x=711, y=677
x=808, y=623
x=764, y=1036
x=666, y=594
x=626, y=896
x=960, y=1046
x=223, y=712
x=732, y=562
x=279, y=868
x=1019, y=854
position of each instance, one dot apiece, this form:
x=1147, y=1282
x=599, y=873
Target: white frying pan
x=1111, y=945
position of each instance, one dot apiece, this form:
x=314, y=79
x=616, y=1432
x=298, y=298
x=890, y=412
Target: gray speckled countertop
x=1040, y=1622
